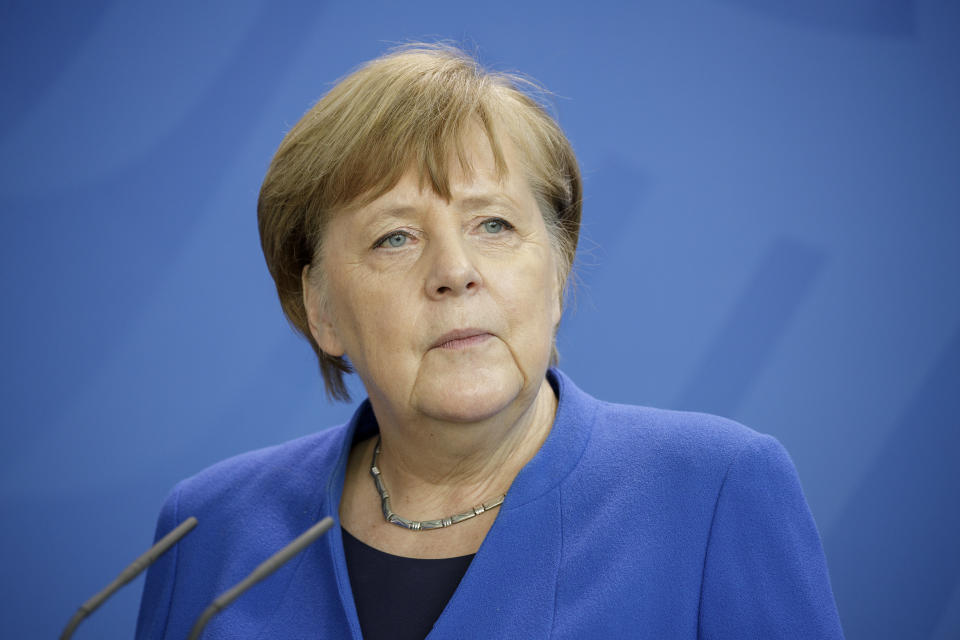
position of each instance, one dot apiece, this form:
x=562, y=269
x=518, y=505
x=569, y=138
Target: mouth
x=461, y=339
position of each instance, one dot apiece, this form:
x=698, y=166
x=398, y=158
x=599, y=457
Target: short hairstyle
x=410, y=108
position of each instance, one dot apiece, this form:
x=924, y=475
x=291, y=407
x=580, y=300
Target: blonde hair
x=410, y=108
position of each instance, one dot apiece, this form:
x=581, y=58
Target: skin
x=458, y=419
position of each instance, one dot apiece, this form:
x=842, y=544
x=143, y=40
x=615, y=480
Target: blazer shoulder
x=685, y=437
x=298, y=466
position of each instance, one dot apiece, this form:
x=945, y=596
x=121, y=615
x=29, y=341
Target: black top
x=399, y=598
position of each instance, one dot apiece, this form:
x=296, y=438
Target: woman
x=420, y=223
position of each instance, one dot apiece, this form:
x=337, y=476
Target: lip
x=461, y=338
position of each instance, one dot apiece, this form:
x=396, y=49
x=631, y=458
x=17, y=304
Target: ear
x=318, y=316
x=558, y=285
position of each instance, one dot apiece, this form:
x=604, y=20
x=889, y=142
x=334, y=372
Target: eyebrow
x=469, y=203
x=393, y=211
x=480, y=201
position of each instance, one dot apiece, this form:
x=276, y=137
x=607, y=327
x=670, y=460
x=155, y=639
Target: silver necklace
x=420, y=525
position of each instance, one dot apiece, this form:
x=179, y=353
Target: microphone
x=265, y=568
x=128, y=574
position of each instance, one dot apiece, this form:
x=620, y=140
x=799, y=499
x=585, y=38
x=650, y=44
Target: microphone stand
x=267, y=567
x=128, y=574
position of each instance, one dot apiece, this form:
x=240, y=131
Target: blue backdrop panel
x=770, y=233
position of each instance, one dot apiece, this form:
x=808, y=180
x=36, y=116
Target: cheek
x=374, y=324
x=533, y=298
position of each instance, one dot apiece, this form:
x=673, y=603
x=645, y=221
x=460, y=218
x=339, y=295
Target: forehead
x=473, y=180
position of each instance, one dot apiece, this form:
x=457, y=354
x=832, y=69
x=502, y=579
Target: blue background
x=771, y=233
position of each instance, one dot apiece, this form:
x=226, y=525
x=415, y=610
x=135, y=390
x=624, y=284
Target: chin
x=468, y=394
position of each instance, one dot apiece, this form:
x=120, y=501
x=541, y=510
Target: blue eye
x=394, y=240
x=494, y=225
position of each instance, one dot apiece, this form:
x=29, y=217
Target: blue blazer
x=630, y=522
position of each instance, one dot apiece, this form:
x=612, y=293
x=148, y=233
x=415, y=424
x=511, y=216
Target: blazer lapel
x=510, y=588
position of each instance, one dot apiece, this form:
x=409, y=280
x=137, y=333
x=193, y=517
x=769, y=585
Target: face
x=446, y=309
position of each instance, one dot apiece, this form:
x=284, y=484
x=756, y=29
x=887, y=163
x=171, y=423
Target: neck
x=432, y=467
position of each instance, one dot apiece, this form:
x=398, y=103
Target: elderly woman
x=420, y=223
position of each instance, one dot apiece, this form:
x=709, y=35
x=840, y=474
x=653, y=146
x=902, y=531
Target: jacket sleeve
x=765, y=574
x=158, y=588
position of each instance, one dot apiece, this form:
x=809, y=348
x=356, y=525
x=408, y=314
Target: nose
x=452, y=270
